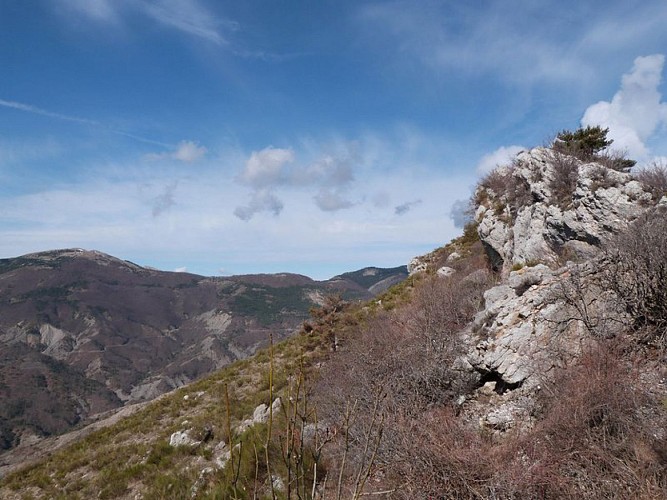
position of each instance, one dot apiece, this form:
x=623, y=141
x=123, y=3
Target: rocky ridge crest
x=548, y=248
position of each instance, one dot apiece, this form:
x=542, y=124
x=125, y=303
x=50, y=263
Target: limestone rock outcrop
x=547, y=246
x=536, y=220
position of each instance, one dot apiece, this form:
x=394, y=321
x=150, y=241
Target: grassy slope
x=133, y=456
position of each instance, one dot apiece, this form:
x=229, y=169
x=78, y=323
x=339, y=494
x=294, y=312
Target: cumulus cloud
x=261, y=200
x=331, y=170
x=636, y=111
x=266, y=168
x=271, y=169
x=181, y=270
x=187, y=152
x=501, y=156
x=404, y=208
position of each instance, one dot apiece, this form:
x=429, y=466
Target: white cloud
x=186, y=151
x=98, y=10
x=332, y=170
x=189, y=152
x=261, y=200
x=636, y=111
x=266, y=167
x=272, y=169
x=189, y=17
x=331, y=201
x=186, y=16
x=501, y=156
x=182, y=269
x=576, y=45
x=28, y=108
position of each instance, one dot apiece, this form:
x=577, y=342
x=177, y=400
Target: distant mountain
x=82, y=332
x=374, y=279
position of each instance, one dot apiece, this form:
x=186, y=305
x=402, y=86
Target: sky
x=318, y=137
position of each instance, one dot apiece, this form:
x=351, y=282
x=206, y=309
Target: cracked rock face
x=522, y=332
x=529, y=326
x=602, y=203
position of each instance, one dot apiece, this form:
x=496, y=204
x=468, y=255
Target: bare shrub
x=439, y=456
x=399, y=366
x=615, y=160
x=594, y=440
x=636, y=271
x=593, y=434
x=564, y=180
x=654, y=178
x=589, y=301
x=601, y=178
x=519, y=195
x=599, y=433
x=492, y=185
x=508, y=190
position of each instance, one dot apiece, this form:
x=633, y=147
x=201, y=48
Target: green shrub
x=583, y=143
x=590, y=144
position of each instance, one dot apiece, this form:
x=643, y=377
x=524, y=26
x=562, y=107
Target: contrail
x=76, y=119
x=38, y=111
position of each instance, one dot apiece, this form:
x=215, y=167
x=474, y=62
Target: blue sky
x=306, y=136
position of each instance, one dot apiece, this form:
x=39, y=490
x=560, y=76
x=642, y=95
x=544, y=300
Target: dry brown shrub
x=601, y=178
x=564, y=180
x=654, y=178
x=497, y=181
x=507, y=190
x=439, y=456
x=636, y=271
x=398, y=367
x=598, y=433
x=615, y=159
x=593, y=433
x=596, y=438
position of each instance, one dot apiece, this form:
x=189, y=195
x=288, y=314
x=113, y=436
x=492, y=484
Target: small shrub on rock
x=564, y=180
x=654, y=178
x=583, y=143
